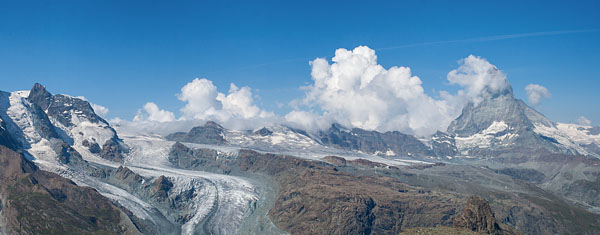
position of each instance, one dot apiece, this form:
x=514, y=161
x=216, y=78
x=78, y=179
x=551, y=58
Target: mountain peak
x=40, y=96
x=494, y=107
x=497, y=105
x=213, y=124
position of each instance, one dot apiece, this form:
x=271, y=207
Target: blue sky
x=122, y=54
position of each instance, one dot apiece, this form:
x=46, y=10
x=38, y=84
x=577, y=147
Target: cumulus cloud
x=535, y=93
x=200, y=96
x=479, y=77
x=584, y=121
x=100, y=110
x=203, y=101
x=151, y=112
x=356, y=91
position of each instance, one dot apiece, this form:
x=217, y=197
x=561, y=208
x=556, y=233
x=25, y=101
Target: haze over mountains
x=379, y=162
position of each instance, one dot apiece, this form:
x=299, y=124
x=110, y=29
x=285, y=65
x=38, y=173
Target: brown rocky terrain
x=478, y=216
x=39, y=202
x=338, y=197
x=316, y=198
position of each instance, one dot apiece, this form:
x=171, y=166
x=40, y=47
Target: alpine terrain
x=501, y=167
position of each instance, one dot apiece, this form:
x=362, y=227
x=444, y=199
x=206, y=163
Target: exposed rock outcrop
x=5, y=137
x=210, y=133
x=263, y=132
x=113, y=150
x=160, y=187
x=198, y=159
x=392, y=143
x=478, y=216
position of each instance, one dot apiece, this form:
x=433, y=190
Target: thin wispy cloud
x=491, y=38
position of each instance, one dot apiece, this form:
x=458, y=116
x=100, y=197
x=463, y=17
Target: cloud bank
x=151, y=112
x=536, y=93
x=355, y=91
x=203, y=102
x=352, y=89
x=584, y=121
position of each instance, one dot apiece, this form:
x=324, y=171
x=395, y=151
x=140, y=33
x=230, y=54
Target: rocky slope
x=391, y=143
x=39, y=202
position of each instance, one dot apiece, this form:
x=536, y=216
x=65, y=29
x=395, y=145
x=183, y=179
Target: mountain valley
x=500, y=168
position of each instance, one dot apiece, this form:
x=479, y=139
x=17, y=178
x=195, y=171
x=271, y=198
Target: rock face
x=111, y=150
x=40, y=96
x=39, y=202
x=160, y=187
x=498, y=123
x=5, y=138
x=198, y=159
x=391, y=143
x=443, y=145
x=210, y=133
x=263, y=132
x=65, y=153
x=478, y=216
x=79, y=124
x=501, y=106
x=60, y=106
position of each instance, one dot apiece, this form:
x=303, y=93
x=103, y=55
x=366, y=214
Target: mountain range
x=501, y=167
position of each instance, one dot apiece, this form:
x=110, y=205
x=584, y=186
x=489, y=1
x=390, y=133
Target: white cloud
x=201, y=98
x=305, y=120
x=203, y=101
x=584, y=121
x=99, y=109
x=535, y=93
x=356, y=91
x=239, y=102
x=479, y=77
x=151, y=112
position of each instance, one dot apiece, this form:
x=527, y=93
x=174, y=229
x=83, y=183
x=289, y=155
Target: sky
x=136, y=58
